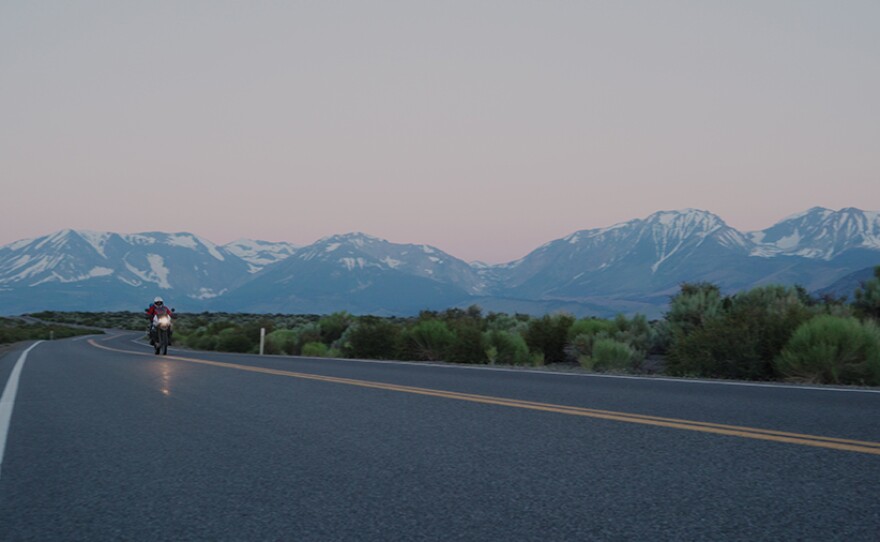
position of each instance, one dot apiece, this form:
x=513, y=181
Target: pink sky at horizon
x=485, y=129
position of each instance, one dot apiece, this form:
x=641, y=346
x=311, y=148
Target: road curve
x=109, y=442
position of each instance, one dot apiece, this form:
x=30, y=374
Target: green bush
x=548, y=336
x=428, y=340
x=833, y=350
x=736, y=337
x=589, y=327
x=506, y=348
x=282, y=341
x=694, y=306
x=308, y=333
x=315, y=350
x=12, y=330
x=637, y=334
x=371, y=338
x=333, y=326
x=234, y=340
x=467, y=344
x=201, y=342
x=611, y=355
x=867, y=302
x=505, y=322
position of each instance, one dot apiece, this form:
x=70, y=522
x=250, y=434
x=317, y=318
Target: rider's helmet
x=158, y=301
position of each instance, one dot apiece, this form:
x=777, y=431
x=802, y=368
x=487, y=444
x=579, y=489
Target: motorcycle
x=160, y=333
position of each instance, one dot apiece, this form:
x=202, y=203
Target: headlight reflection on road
x=165, y=383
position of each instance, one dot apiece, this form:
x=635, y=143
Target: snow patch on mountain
x=93, y=273
x=18, y=245
x=100, y=272
x=351, y=263
x=97, y=239
x=19, y=262
x=819, y=234
x=664, y=255
x=259, y=254
x=130, y=282
x=55, y=239
x=40, y=265
x=157, y=264
x=185, y=241
x=207, y=293
x=158, y=273
x=212, y=249
x=391, y=262
x=139, y=239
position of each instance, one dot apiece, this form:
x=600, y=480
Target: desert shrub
x=734, y=337
x=428, y=340
x=694, y=306
x=661, y=337
x=716, y=350
x=371, y=338
x=308, y=333
x=467, y=344
x=202, y=342
x=637, y=334
x=315, y=350
x=506, y=348
x=582, y=345
x=12, y=331
x=611, y=355
x=282, y=341
x=589, y=327
x=333, y=326
x=548, y=336
x=233, y=339
x=252, y=329
x=771, y=314
x=506, y=322
x=867, y=297
x=537, y=359
x=833, y=350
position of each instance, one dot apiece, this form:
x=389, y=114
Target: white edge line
x=7, y=400
x=780, y=386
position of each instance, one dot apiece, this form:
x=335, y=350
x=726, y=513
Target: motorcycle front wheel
x=163, y=342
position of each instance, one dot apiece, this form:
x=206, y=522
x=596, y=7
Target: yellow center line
x=849, y=445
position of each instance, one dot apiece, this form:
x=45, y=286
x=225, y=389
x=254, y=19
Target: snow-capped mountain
x=642, y=256
x=360, y=273
x=259, y=254
x=820, y=234
x=77, y=268
x=358, y=250
x=630, y=267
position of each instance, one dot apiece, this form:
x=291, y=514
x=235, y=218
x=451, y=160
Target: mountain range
x=630, y=267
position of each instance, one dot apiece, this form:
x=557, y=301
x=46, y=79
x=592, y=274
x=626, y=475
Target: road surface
x=109, y=442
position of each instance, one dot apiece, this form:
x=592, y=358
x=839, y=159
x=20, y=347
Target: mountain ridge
x=637, y=263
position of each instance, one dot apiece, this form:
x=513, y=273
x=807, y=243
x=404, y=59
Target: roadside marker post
x=262, y=340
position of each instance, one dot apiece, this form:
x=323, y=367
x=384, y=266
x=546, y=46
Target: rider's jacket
x=155, y=310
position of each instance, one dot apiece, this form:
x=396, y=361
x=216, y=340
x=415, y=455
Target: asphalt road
x=123, y=445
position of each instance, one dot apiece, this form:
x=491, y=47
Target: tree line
x=766, y=333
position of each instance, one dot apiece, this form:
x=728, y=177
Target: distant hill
x=630, y=267
x=846, y=286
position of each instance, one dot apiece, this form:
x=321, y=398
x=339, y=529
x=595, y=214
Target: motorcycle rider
x=157, y=309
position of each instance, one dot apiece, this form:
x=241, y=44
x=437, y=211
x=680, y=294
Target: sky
x=483, y=128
